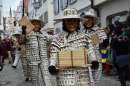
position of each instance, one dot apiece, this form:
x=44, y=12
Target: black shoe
x=27, y=79
x=13, y=66
x=9, y=62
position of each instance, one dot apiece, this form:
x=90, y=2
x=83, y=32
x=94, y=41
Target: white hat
x=36, y=18
x=90, y=14
x=69, y=13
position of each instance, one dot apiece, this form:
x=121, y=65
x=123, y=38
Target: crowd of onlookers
x=118, y=35
x=6, y=50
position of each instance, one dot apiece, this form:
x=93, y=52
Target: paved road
x=15, y=77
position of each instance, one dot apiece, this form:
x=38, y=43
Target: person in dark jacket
x=2, y=51
x=8, y=48
x=121, y=47
x=1, y=55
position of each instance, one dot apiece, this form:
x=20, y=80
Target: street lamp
x=36, y=5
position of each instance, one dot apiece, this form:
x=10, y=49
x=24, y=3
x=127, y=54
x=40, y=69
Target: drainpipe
x=23, y=8
x=98, y=12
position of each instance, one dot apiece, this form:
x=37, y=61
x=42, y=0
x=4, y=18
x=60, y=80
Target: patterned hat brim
x=42, y=24
x=96, y=19
x=68, y=17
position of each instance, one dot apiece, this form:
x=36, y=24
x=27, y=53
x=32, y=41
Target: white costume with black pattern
x=101, y=35
x=73, y=76
x=37, y=56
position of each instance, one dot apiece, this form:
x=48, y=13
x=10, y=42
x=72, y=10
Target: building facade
x=9, y=25
x=18, y=13
x=1, y=19
x=44, y=11
x=111, y=10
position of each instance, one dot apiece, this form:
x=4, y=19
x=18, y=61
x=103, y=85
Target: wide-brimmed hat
x=69, y=13
x=36, y=18
x=90, y=14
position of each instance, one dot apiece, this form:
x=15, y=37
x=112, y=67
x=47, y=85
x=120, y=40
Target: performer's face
x=36, y=25
x=71, y=24
x=89, y=21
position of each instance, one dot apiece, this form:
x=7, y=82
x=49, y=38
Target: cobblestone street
x=15, y=77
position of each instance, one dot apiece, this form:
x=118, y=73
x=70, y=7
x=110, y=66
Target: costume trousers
x=97, y=73
x=25, y=66
x=9, y=56
x=35, y=66
x=17, y=57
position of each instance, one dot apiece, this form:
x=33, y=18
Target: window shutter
x=46, y=17
x=64, y=4
x=61, y=4
x=41, y=17
x=56, y=7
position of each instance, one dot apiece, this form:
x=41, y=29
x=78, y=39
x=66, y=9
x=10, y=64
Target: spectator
x=8, y=48
x=120, y=47
x=127, y=30
x=1, y=55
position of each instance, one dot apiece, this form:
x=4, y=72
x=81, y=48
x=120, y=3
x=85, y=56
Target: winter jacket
x=121, y=48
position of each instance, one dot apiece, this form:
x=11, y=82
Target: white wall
x=50, y=16
x=112, y=7
x=47, y=6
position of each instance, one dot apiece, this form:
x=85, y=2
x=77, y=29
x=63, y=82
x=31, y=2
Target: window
x=44, y=1
x=63, y=4
x=56, y=6
x=46, y=17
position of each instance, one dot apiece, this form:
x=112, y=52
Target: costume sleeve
x=101, y=34
x=28, y=38
x=90, y=51
x=54, y=49
x=48, y=37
